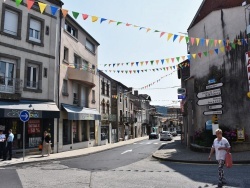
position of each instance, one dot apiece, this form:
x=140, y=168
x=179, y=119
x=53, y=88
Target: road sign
x=24, y=116
x=209, y=93
x=212, y=81
x=214, y=86
x=214, y=100
x=181, y=96
x=181, y=91
x=218, y=112
x=217, y=106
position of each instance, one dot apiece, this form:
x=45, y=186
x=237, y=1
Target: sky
x=121, y=44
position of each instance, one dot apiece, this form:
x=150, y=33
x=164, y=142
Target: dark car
x=153, y=136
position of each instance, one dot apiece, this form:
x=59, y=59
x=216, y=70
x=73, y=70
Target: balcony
x=85, y=76
x=10, y=85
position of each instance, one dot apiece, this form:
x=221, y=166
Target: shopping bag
x=40, y=147
x=229, y=160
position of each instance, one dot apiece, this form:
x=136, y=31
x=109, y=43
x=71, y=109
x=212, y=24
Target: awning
x=37, y=109
x=81, y=113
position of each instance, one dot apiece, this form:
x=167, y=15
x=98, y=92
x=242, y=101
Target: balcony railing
x=10, y=85
x=83, y=67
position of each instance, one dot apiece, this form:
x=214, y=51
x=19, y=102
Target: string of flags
x=169, y=36
x=144, y=100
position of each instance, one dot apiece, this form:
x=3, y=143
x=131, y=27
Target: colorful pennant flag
x=42, y=7
x=30, y=3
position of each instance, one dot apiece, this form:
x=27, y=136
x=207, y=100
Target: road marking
x=135, y=143
x=126, y=151
x=155, y=143
x=149, y=143
x=163, y=143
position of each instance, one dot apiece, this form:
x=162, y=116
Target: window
x=66, y=132
x=93, y=96
x=7, y=75
x=77, y=60
x=120, y=115
x=90, y=46
x=85, y=65
x=120, y=97
x=84, y=96
x=45, y=72
x=75, y=130
x=93, y=69
x=107, y=107
x=70, y=29
x=11, y=21
x=108, y=90
x=92, y=130
x=131, y=106
x=84, y=130
x=75, y=93
x=32, y=76
x=103, y=107
x=35, y=30
x=66, y=54
x=103, y=87
x=126, y=102
x=65, y=87
x=75, y=98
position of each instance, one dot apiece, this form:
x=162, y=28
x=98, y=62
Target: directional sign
x=181, y=91
x=214, y=86
x=24, y=116
x=209, y=93
x=181, y=96
x=218, y=112
x=214, y=100
x=217, y=106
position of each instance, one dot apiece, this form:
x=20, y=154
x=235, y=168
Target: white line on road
x=155, y=143
x=135, y=143
x=126, y=151
x=149, y=142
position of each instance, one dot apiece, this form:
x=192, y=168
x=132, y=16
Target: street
x=130, y=166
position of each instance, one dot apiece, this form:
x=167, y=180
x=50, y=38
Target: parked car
x=153, y=136
x=174, y=133
x=165, y=135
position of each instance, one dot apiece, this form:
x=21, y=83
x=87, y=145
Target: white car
x=165, y=135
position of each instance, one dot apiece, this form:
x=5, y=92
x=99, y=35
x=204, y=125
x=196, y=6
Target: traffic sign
x=181, y=96
x=181, y=91
x=212, y=81
x=24, y=116
x=207, y=113
x=214, y=86
x=209, y=93
x=217, y=106
x=214, y=100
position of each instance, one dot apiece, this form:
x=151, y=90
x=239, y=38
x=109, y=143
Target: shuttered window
x=35, y=30
x=11, y=22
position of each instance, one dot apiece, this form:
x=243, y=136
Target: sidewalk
x=176, y=152
x=68, y=154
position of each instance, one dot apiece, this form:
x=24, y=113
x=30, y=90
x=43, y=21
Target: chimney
x=135, y=92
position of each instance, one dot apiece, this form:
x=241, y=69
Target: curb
x=65, y=158
x=196, y=162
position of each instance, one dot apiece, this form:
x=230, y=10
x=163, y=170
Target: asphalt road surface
x=130, y=166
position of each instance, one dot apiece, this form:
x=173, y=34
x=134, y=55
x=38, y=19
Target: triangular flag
x=215, y=42
x=169, y=36
x=118, y=23
x=118, y=71
x=75, y=14
x=142, y=28
x=171, y=67
x=183, y=57
x=157, y=31
x=207, y=41
x=219, y=41
x=127, y=24
x=134, y=71
x=132, y=64
x=146, y=62
x=137, y=63
x=42, y=7
x=167, y=60
x=162, y=33
x=211, y=52
x=192, y=40
x=178, y=59
x=175, y=37
x=152, y=62
x=126, y=72
x=64, y=12
x=30, y=3
x=113, y=65
x=127, y=63
x=222, y=49
x=130, y=71
x=197, y=41
x=111, y=21
x=216, y=51
x=194, y=56
x=103, y=19
x=164, y=68
x=174, y=67
x=138, y=71
x=162, y=61
x=202, y=42
x=94, y=18
x=233, y=45
x=85, y=16
x=211, y=42
x=199, y=54
x=205, y=54
x=172, y=60
x=53, y=10
x=148, y=29
x=18, y=2
x=180, y=39
x=157, y=61
x=142, y=63
x=187, y=39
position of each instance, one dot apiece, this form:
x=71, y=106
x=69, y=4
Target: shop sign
x=105, y=117
x=12, y=113
x=218, y=112
x=34, y=126
x=209, y=93
x=214, y=100
x=87, y=117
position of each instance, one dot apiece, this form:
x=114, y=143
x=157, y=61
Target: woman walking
x=46, y=143
x=221, y=146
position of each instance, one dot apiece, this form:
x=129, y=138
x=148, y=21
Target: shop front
x=79, y=127
x=105, y=129
x=42, y=118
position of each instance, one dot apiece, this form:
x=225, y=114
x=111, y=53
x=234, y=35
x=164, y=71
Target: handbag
x=229, y=160
x=40, y=147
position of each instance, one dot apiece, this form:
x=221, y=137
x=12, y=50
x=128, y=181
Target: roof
x=105, y=75
x=145, y=96
x=208, y=6
x=56, y=2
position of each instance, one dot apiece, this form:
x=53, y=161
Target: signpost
x=181, y=91
x=217, y=106
x=24, y=117
x=181, y=96
x=214, y=86
x=214, y=100
x=212, y=81
x=209, y=93
x=218, y=112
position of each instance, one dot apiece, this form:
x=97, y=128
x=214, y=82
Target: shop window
x=92, y=130
x=75, y=130
x=66, y=132
x=84, y=131
x=104, y=133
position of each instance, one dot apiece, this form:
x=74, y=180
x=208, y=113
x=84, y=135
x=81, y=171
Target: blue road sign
x=24, y=116
x=212, y=81
x=181, y=96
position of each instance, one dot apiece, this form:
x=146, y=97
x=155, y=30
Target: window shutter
x=11, y=22
x=36, y=25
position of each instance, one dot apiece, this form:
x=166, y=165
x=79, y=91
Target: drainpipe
x=58, y=76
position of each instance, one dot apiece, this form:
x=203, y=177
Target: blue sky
x=121, y=44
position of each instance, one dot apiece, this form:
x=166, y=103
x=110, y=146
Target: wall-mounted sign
x=208, y=125
x=240, y=134
x=214, y=86
x=217, y=106
x=87, y=117
x=212, y=81
x=34, y=126
x=214, y=100
x=181, y=96
x=209, y=93
x=12, y=113
x=181, y=91
x=218, y=112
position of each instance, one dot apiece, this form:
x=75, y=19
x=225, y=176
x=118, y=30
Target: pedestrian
x=8, y=148
x=2, y=144
x=221, y=146
x=46, y=141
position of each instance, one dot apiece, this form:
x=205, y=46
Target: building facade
x=79, y=125
x=28, y=62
